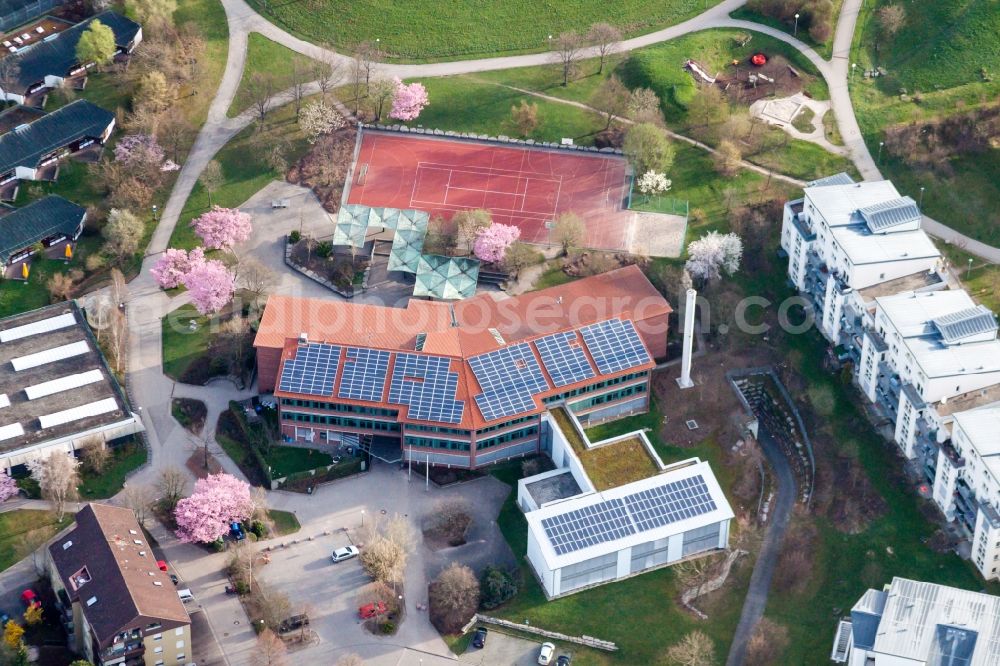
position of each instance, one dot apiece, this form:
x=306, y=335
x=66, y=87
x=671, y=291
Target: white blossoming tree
x=653, y=183
x=319, y=118
x=712, y=254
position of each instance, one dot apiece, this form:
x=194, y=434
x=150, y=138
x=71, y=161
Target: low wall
x=486, y=138
x=589, y=641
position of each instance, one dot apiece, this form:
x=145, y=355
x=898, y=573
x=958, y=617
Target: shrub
x=258, y=528
x=496, y=587
x=294, y=237
x=323, y=249
x=453, y=598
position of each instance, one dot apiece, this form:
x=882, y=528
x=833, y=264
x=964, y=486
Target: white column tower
x=684, y=381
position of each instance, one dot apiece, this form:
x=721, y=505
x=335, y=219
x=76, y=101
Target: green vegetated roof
x=46, y=217
x=446, y=277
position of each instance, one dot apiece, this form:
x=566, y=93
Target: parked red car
x=29, y=598
x=371, y=610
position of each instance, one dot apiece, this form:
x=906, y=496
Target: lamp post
x=969, y=272
x=796, y=33
x=362, y=517
x=921, y=204
x=880, y=144
x=854, y=66
x=154, y=213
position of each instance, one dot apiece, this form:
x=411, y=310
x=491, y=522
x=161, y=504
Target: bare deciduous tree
x=274, y=605
x=524, y=117
x=94, y=454
x=270, y=650
x=695, y=649
x=139, y=497
x=468, y=224
x=211, y=179
x=611, y=99
x=453, y=598
x=381, y=91
x=766, y=644
x=57, y=476
x=568, y=230
x=891, y=19
x=350, y=660
x=256, y=279
x=604, y=37
x=327, y=75
x=298, y=79
x=258, y=93
x=171, y=485
x=568, y=46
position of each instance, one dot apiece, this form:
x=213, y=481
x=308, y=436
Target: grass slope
x=267, y=57
x=824, y=49
x=123, y=460
x=427, y=29
x=941, y=53
x=23, y=529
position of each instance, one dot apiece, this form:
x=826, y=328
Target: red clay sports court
x=522, y=186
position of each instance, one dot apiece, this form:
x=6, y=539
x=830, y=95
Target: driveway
x=506, y=649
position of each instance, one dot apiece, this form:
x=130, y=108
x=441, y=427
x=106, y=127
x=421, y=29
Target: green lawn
x=210, y=18
x=124, y=459
x=425, y=29
x=245, y=170
x=285, y=460
x=824, y=49
x=23, y=529
x=941, y=53
x=181, y=345
x=284, y=522
x=271, y=58
x=466, y=104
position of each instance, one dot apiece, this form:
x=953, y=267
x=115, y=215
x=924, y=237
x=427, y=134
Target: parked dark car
x=479, y=638
x=563, y=660
x=293, y=623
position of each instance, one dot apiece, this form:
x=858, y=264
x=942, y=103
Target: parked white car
x=545, y=655
x=345, y=553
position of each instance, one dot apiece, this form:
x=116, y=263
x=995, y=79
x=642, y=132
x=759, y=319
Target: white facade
x=634, y=550
x=912, y=623
x=837, y=245
x=913, y=370
x=967, y=483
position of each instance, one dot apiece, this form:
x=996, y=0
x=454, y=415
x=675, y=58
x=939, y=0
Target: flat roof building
x=119, y=607
x=911, y=622
x=56, y=391
x=462, y=384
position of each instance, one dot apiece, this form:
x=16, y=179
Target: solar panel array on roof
x=11, y=430
x=427, y=386
x=836, y=179
x=509, y=377
x=669, y=503
x=589, y=526
x=362, y=375
x=312, y=371
x=43, y=326
x=614, y=345
x=639, y=512
x=563, y=357
x=4, y=400
x=888, y=214
x=966, y=323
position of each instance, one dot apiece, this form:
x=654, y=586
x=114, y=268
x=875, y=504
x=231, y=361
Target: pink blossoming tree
x=8, y=486
x=211, y=286
x=408, y=100
x=492, y=242
x=217, y=501
x=174, y=264
x=139, y=150
x=222, y=228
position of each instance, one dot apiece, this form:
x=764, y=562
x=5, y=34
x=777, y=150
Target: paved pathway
x=767, y=559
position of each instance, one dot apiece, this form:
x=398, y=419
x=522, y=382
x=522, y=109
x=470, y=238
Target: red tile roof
x=463, y=330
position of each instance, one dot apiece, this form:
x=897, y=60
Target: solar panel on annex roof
x=966, y=323
x=563, y=357
x=614, y=345
x=362, y=374
x=887, y=214
x=312, y=371
x=662, y=505
x=427, y=386
x=595, y=524
x=509, y=377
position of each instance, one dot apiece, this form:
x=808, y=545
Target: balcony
x=119, y=652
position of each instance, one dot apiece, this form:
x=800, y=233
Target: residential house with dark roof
x=45, y=64
x=119, y=606
x=26, y=150
x=463, y=384
x=49, y=221
x=18, y=12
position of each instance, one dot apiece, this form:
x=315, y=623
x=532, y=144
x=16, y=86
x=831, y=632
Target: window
x=179, y=631
x=159, y=662
x=179, y=645
x=180, y=657
x=158, y=649
x=158, y=637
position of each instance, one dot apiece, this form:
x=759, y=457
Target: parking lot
x=504, y=649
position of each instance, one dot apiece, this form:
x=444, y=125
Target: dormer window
x=79, y=579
